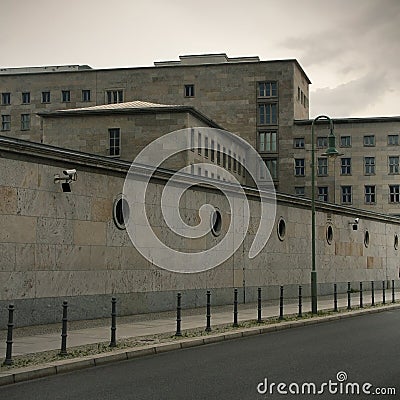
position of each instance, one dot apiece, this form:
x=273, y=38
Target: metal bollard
x=208, y=327
x=383, y=293
x=348, y=296
x=361, y=295
x=64, y=335
x=335, y=308
x=300, y=303
x=113, y=342
x=259, y=318
x=10, y=326
x=393, y=296
x=178, y=315
x=235, y=308
x=372, y=293
x=281, y=304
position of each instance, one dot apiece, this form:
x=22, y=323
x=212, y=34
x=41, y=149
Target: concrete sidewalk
x=147, y=325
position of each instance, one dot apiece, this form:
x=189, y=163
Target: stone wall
x=58, y=246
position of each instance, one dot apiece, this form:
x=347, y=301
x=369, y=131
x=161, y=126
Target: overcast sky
x=350, y=49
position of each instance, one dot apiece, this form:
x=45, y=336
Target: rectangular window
x=272, y=166
x=86, y=95
x=267, y=141
x=323, y=193
x=206, y=147
x=345, y=141
x=244, y=168
x=346, y=194
x=299, y=190
x=189, y=90
x=369, y=140
x=5, y=122
x=322, y=166
x=65, y=96
x=45, y=97
x=218, y=154
x=115, y=142
x=199, y=143
x=268, y=89
x=393, y=164
x=267, y=114
x=192, y=169
x=115, y=96
x=229, y=159
x=394, y=193
x=206, y=173
x=212, y=152
x=192, y=139
x=25, y=122
x=299, y=168
x=322, y=142
x=239, y=166
x=199, y=171
x=393, y=140
x=369, y=165
x=234, y=162
x=370, y=194
x=224, y=157
x=6, y=98
x=26, y=97
x=345, y=166
x=298, y=143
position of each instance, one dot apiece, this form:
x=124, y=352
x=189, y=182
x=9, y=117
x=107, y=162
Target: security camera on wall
x=71, y=173
x=71, y=176
x=355, y=223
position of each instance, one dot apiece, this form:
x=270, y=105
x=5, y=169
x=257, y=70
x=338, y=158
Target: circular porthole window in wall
x=329, y=234
x=396, y=241
x=281, y=228
x=216, y=223
x=366, y=239
x=120, y=212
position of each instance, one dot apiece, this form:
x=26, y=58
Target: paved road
x=366, y=348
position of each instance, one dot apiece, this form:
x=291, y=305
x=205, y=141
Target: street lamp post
x=330, y=152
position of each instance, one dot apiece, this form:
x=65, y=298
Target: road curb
x=69, y=365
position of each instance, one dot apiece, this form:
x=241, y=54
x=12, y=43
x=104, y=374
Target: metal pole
x=314, y=305
x=361, y=295
x=113, y=342
x=383, y=293
x=393, y=296
x=335, y=308
x=281, y=304
x=259, y=318
x=64, y=335
x=178, y=316
x=372, y=293
x=300, y=303
x=10, y=326
x=348, y=296
x=208, y=327
x=235, y=308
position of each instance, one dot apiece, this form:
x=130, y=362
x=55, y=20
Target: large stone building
x=264, y=102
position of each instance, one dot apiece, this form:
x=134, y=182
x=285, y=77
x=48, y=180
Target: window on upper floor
x=26, y=97
x=267, y=141
x=65, y=96
x=323, y=193
x=46, y=97
x=272, y=165
x=299, y=190
x=268, y=89
x=298, y=143
x=345, y=166
x=369, y=165
x=370, y=194
x=299, y=167
x=114, y=96
x=394, y=193
x=189, y=90
x=114, y=142
x=268, y=114
x=218, y=154
x=346, y=195
x=86, y=95
x=199, y=143
x=25, y=122
x=345, y=141
x=6, y=98
x=322, y=169
x=322, y=142
x=393, y=140
x=369, y=140
x=5, y=122
x=394, y=165
x=212, y=151
x=206, y=147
